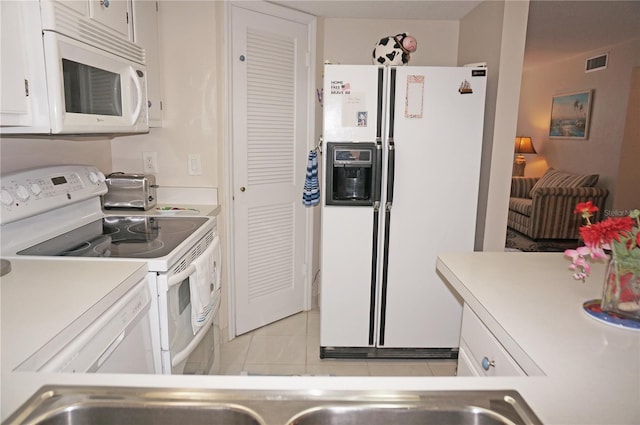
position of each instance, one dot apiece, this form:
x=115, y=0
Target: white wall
x=495, y=32
x=18, y=153
x=351, y=41
x=190, y=56
x=600, y=153
x=627, y=193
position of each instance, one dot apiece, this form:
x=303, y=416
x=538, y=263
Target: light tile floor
x=291, y=347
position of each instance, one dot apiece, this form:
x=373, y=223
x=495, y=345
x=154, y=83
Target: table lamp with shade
x=523, y=145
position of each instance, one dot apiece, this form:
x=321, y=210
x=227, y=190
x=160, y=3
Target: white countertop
x=532, y=304
x=530, y=299
x=43, y=299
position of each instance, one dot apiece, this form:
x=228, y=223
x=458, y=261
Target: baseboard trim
x=388, y=353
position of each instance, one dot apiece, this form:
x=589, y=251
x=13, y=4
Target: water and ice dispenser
x=351, y=173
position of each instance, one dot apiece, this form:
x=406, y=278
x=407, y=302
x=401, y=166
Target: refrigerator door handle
x=387, y=231
x=391, y=168
x=374, y=275
x=377, y=178
x=380, y=104
x=374, y=250
x=391, y=164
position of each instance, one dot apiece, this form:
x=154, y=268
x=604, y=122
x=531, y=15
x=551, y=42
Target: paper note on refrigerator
x=354, y=110
x=414, y=100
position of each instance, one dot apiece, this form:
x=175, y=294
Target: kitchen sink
x=107, y=413
x=385, y=415
x=72, y=405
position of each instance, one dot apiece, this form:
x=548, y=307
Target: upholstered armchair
x=543, y=207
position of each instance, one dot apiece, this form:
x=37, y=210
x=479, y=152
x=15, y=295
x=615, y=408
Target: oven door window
x=179, y=303
x=203, y=357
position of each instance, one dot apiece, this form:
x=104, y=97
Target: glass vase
x=621, y=294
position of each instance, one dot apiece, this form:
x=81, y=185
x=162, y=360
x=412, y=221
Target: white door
x=270, y=141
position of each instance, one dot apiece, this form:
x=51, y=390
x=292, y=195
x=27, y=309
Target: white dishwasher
x=117, y=341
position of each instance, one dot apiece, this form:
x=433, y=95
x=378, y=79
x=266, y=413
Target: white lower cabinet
x=481, y=354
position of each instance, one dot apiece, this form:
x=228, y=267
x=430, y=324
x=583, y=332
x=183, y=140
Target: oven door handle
x=177, y=278
x=183, y=354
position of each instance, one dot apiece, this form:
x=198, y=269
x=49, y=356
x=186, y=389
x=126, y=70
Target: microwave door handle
x=138, y=85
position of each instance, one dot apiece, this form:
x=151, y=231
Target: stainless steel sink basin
x=69, y=405
x=106, y=413
x=385, y=415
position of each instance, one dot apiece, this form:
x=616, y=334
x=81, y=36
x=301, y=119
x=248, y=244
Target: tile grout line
x=306, y=342
x=246, y=354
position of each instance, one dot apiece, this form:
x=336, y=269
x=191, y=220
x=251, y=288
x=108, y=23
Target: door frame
x=311, y=22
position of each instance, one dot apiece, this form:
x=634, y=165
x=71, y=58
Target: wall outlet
x=195, y=164
x=150, y=162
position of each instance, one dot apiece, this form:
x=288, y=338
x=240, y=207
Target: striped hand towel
x=311, y=193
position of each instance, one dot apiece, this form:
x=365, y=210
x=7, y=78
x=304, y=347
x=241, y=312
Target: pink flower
x=579, y=263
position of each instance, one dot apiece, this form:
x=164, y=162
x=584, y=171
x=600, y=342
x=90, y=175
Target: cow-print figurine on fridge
x=394, y=50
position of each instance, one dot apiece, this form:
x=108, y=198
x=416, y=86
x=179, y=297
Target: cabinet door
x=23, y=89
x=14, y=94
x=484, y=351
x=465, y=363
x=145, y=34
x=114, y=14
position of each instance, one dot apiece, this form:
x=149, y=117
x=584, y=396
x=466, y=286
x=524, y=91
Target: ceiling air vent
x=596, y=63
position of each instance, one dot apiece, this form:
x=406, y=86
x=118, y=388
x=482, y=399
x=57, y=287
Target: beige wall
x=18, y=153
x=191, y=51
x=191, y=61
x=495, y=32
x=600, y=153
x=351, y=41
x=627, y=193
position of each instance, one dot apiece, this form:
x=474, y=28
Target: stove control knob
x=5, y=197
x=96, y=177
x=22, y=193
x=35, y=189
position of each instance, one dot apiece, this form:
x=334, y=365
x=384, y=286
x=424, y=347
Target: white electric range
x=56, y=212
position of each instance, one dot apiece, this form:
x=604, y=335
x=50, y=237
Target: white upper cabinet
x=15, y=84
x=22, y=77
x=113, y=14
x=145, y=34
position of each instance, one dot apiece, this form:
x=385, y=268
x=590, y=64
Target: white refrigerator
x=401, y=164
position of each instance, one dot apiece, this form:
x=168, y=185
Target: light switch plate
x=195, y=164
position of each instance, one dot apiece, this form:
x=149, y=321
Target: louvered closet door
x=269, y=93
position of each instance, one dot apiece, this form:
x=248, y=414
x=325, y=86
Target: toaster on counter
x=130, y=191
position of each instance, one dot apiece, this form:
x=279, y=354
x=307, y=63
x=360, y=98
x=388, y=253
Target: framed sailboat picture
x=570, y=115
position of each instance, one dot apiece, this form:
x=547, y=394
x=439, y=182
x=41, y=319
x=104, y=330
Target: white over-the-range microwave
x=88, y=78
